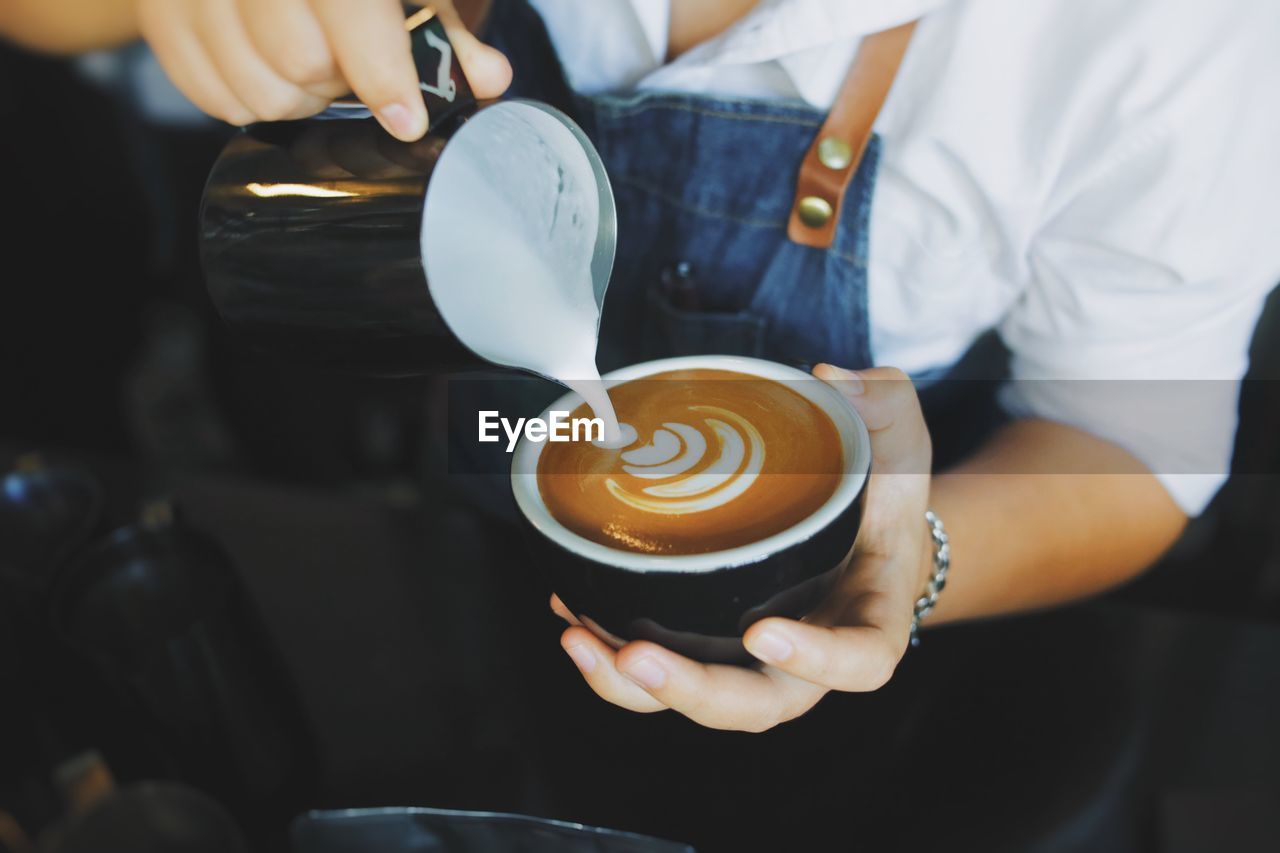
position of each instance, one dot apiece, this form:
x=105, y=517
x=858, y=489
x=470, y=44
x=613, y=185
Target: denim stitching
x=860, y=263
x=633, y=109
x=676, y=202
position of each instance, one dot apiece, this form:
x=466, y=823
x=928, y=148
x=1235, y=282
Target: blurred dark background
x=359, y=637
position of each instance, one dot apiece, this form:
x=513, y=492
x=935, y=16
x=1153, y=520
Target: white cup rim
x=855, y=444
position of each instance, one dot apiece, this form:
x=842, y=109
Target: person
x=1091, y=180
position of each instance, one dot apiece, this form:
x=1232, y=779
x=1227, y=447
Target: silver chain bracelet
x=938, y=581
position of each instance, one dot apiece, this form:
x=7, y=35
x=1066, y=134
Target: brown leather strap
x=833, y=158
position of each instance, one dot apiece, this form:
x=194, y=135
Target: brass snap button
x=814, y=212
x=835, y=153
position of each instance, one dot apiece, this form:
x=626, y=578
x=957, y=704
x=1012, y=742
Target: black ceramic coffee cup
x=701, y=604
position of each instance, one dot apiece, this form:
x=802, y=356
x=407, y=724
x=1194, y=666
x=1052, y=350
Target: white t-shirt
x=1097, y=180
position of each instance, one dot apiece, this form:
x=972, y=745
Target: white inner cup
x=518, y=239
x=855, y=445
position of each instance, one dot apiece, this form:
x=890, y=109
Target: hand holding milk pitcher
x=267, y=60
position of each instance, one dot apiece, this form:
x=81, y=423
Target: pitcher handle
x=443, y=85
x=441, y=79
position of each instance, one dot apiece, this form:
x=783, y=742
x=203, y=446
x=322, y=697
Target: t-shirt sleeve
x=1147, y=275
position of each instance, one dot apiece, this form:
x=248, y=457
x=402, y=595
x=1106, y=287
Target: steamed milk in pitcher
x=508, y=236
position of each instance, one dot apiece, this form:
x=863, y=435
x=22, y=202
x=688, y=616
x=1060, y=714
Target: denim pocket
x=672, y=331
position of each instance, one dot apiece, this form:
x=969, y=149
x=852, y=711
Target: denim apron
x=704, y=189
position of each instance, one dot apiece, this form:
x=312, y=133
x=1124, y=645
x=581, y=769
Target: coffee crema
x=717, y=459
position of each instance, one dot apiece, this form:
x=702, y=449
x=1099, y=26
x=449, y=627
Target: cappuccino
x=713, y=459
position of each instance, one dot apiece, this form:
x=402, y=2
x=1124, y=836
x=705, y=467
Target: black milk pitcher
x=329, y=241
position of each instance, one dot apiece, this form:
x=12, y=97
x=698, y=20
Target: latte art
x=737, y=459
x=709, y=460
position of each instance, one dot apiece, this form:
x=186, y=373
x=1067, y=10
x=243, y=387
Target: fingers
x=288, y=36
x=901, y=457
x=254, y=60
x=168, y=27
x=558, y=608
x=714, y=695
x=371, y=46
x=887, y=401
x=255, y=83
x=597, y=663
x=645, y=677
x=853, y=659
x=487, y=69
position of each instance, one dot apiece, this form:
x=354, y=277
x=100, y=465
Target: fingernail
x=403, y=122
x=646, y=672
x=771, y=647
x=583, y=657
x=850, y=381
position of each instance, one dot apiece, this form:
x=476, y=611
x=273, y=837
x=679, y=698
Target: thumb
x=886, y=400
